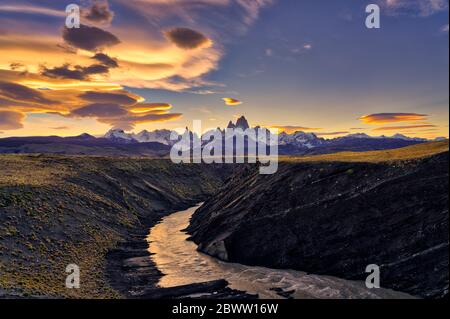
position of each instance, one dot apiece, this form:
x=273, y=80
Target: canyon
x=324, y=215
x=335, y=218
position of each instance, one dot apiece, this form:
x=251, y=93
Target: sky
x=296, y=65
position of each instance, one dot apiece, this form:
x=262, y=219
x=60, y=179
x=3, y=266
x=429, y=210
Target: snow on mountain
x=295, y=142
x=158, y=136
x=300, y=140
x=120, y=136
x=406, y=138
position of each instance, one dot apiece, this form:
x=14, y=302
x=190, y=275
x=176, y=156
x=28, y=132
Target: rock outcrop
x=336, y=218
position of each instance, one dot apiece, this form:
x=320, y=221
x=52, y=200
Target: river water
x=182, y=264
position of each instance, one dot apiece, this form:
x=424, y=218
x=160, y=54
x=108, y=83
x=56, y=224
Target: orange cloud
x=289, y=129
x=17, y=93
x=140, y=60
x=332, y=133
x=147, y=107
x=231, y=102
x=405, y=127
x=119, y=97
x=382, y=118
x=10, y=120
x=82, y=72
x=116, y=107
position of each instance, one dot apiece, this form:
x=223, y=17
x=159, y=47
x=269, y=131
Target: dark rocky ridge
x=336, y=218
x=91, y=211
x=126, y=145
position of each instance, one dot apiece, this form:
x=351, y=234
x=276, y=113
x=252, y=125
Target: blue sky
x=307, y=64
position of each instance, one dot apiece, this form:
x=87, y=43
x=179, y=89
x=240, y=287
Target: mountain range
x=289, y=144
x=117, y=142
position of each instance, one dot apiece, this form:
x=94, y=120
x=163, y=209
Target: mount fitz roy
x=160, y=136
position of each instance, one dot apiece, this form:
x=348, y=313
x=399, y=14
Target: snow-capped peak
x=157, y=136
x=406, y=138
x=300, y=139
x=241, y=123
x=119, y=135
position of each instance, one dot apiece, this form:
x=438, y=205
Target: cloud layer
x=404, y=127
x=80, y=73
x=89, y=38
x=185, y=38
x=231, y=101
x=414, y=7
x=10, y=120
x=289, y=129
x=115, y=107
x=382, y=118
x=98, y=13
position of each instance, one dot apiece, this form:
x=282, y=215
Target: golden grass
x=29, y=170
x=405, y=153
x=57, y=210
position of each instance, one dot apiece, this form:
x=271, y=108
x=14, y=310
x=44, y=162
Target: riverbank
x=181, y=262
x=61, y=210
x=337, y=215
x=132, y=271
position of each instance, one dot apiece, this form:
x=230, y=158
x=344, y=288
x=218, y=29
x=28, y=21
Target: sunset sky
x=292, y=64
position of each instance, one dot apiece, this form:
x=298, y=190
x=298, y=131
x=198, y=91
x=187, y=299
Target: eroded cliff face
x=335, y=219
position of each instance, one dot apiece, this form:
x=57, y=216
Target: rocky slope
x=57, y=210
x=336, y=217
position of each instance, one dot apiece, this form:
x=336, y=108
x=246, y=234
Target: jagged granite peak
x=231, y=125
x=242, y=123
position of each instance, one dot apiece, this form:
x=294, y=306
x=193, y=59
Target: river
x=182, y=264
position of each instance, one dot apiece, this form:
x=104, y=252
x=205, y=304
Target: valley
x=59, y=210
x=324, y=215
